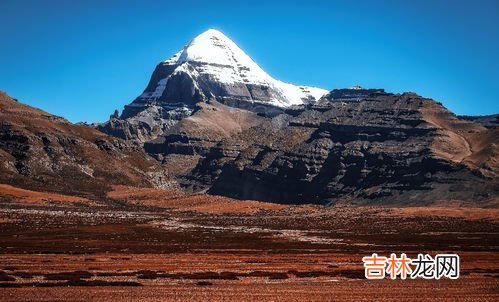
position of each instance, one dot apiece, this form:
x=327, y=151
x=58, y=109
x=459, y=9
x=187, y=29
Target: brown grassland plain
x=138, y=244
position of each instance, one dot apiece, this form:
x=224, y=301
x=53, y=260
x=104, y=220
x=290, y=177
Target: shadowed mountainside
x=381, y=148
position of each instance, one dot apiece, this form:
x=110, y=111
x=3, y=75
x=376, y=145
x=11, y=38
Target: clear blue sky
x=83, y=59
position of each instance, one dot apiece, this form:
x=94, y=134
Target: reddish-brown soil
x=22, y=196
x=153, y=245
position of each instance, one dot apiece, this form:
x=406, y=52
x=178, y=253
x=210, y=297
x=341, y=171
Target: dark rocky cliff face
x=377, y=149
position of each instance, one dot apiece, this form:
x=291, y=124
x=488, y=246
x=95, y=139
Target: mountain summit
x=210, y=68
x=213, y=66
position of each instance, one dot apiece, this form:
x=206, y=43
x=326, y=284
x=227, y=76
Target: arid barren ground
x=152, y=245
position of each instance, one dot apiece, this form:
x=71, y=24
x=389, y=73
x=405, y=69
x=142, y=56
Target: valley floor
x=151, y=245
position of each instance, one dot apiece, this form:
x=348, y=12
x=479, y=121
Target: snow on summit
x=228, y=61
x=214, y=47
x=212, y=54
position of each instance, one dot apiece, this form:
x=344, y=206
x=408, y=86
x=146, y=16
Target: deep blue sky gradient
x=83, y=59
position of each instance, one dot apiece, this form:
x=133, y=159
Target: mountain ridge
x=219, y=56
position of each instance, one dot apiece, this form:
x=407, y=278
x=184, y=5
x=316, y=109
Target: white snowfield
x=223, y=60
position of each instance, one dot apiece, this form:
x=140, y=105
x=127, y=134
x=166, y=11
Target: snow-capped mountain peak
x=217, y=67
x=213, y=47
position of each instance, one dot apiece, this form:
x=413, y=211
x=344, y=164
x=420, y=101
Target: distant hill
x=43, y=151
